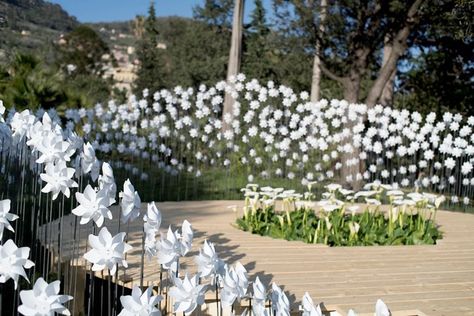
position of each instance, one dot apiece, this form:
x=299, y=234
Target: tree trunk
x=398, y=47
x=387, y=93
x=316, y=79
x=351, y=95
x=235, y=56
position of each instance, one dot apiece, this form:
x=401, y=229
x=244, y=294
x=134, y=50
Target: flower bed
x=410, y=219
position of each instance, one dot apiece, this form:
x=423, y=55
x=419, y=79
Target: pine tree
x=256, y=60
x=151, y=72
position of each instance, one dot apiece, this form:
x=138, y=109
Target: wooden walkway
x=436, y=280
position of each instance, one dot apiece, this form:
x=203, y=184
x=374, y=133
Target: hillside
x=32, y=25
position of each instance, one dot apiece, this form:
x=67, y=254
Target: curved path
x=419, y=280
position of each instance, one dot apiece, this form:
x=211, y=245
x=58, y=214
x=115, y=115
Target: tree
x=316, y=79
x=84, y=49
x=152, y=72
x=257, y=55
x=235, y=56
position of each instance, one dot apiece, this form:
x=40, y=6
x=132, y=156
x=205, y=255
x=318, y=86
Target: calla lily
x=140, y=304
x=235, y=284
x=6, y=217
x=92, y=206
x=58, y=178
x=13, y=262
x=308, y=307
x=43, y=300
x=209, y=265
x=187, y=294
x=131, y=202
x=107, y=251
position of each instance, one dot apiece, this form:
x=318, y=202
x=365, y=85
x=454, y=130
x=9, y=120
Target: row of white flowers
x=275, y=132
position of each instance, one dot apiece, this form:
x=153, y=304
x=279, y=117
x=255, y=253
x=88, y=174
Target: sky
x=120, y=10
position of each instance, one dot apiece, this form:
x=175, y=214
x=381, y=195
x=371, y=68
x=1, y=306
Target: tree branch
x=330, y=74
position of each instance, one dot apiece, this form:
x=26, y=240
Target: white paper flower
x=174, y=245
x=13, y=262
x=107, y=182
x=53, y=148
x=107, y=251
x=381, y=309
x=152, y=219
x=308, y=307
x=209, y=264
x=187, y=294
x=6, y=217
x=2, y=111
x=258, y=298
x=280, y=303
x=58, y=178
x=131, y=202
x=235, y=284
x=88, y=158
x=43, y=300
x=140, y=304
x=92, y=206
x=351, y=313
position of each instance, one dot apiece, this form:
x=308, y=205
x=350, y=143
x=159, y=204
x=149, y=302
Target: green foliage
x=26, y=83
x=152, y=69
x=338, y=228
x=84, y=49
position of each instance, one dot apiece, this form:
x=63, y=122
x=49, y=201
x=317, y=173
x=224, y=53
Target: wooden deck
x=436, y=280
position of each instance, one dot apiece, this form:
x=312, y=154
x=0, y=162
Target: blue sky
x=119, y=10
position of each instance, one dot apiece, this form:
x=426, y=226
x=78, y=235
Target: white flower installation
x=107, y=251
x=259, y=298
x=209, y=264
x=188, y=294
x=280, y=302
x=140, y=304
x=174, y=245
x=13, y=262
x=92, y=206
x=6, y=217
x=381, y=309
x=107, y=182
x=130, y=203
x=43, y=300
x=152, y=219
x=234, y=284
x=58, y=178
x=308, y=308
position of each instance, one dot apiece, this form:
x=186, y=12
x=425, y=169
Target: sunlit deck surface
x=436, y=280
